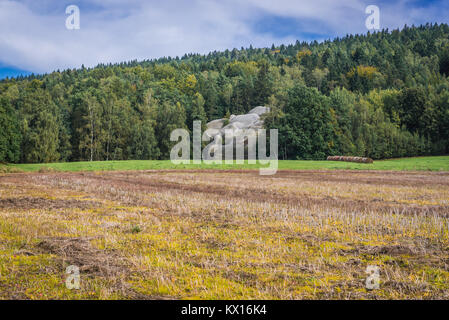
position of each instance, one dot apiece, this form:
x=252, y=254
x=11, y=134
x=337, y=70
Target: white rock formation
x=259, y=110
x=216, y=124
x=238, y=126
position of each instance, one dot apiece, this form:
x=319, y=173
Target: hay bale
x=350, y=159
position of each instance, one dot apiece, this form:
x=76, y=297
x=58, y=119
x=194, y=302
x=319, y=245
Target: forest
x=380, y=95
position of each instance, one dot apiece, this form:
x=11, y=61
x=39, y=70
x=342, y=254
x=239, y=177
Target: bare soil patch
x=260, y=195
x=43, y=203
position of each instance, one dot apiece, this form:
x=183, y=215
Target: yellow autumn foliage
x=301, y=54
x=362, y=71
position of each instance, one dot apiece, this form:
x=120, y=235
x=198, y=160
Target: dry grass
x=224, y=234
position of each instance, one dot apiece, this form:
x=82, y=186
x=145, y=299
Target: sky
x=34, y=37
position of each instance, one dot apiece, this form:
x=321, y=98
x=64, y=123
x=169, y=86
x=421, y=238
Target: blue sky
x=7, y=71
x=33, y=36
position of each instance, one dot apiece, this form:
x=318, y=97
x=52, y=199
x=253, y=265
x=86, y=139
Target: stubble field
x=217, y=234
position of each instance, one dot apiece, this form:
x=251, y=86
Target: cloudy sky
x=34, y=37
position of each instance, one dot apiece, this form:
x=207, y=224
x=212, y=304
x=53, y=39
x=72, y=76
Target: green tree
x=263, y=86
x=143, y=144
x=10, y=135
x=169, y=117
x=306, y=124
x=40, y=127
x=198, y=112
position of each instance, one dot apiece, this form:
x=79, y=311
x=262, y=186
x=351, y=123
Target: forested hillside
x=379, y=95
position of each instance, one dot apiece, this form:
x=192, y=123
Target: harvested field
x=210, y=234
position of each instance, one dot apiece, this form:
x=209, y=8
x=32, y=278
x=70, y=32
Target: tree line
x=379, y=95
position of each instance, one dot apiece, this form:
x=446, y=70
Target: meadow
x=434, y=163
x=226, y=234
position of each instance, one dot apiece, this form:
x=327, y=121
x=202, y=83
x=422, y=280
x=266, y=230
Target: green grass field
x=437, y=163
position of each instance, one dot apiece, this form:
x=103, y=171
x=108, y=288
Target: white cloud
x=33, y=34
